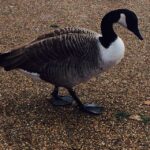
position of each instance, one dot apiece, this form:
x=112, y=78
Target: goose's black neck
x=108, y=34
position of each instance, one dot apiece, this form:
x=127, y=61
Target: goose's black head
x=125, y=17
x=129, y=20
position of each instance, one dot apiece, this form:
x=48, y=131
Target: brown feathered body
x=64, y=57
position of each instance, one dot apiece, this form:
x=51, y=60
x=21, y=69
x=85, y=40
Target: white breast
x=113, y=54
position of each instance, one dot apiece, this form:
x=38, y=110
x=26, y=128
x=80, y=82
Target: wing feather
x=62, y=31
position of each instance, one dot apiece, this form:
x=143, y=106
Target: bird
x=69, y=56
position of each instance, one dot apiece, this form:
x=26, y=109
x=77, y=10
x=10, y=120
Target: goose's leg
x=60, y=100
x=90, y=108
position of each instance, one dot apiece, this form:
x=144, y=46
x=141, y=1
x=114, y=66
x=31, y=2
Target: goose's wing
x=59, y=49
x=62, y=31
x=60, y=59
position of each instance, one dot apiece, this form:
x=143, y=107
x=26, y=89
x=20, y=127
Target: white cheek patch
x=122, y=20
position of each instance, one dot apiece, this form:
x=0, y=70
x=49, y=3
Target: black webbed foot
x=68, y=100
x=91, y=108
x=62, y=100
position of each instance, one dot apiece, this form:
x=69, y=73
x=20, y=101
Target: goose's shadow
x=41, y=118
x=41, y=111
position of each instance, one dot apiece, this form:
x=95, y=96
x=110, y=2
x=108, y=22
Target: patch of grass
x=145, y=119
x=122, y=115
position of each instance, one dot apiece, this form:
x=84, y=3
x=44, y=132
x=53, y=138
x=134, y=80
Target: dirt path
x=27, y=119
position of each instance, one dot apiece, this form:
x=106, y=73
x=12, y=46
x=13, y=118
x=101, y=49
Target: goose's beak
x=138, y=34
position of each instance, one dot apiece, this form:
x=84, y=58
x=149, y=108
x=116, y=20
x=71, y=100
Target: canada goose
x=66, y=57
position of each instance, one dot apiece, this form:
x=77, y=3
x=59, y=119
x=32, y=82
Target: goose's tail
x=11, y=60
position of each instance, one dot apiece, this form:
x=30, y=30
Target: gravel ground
x=27, y=119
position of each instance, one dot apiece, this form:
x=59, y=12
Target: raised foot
x=62, y=100
x=92, y=109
